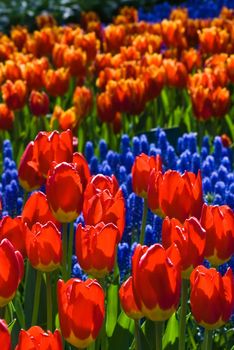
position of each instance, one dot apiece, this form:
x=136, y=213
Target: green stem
x=137, y=335
x=36, y=298
x=49, y=301
x=143, y=223
x=70, y=248
x=183, y=310
x=158, y=334
x=64, y=261
x=208, y=339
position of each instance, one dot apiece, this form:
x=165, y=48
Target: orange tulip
x=37, y=209
x=127, y=300
x=64, y=192
x=190, y=239
x=34, y=71
x=82, y=100
x=12, y=71
x=141, y=169
x=103, y=201
x=15, y=231
x=96, y=248
x=36, y=338
x=19, y=36
x=56, y=81
x=156, y=280
x=175, y=195
x=75, y=60
x=80, y=329
x=218, y=221
x=14, y=94
x=6, y=117
x=11, y=272
x=44, y=247
x=212, y=296
x=5, y=338
x=39, y=103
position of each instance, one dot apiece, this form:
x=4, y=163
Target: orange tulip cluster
x=129, y=61
x=191, y=231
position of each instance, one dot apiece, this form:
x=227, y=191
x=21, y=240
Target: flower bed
x=117, y=184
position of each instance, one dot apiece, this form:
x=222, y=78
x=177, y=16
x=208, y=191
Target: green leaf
x=230, y=124
x=11, y=325
x=171, y=335
x=19, y=311
x=57, y=324
x=112, y=308
x=122, y=336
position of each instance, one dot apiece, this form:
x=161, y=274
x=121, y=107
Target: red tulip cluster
x=191, y=232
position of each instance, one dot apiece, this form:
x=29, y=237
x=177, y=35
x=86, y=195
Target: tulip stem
x=143, y=223
x=183, y=312
x=158, y=334
x=64, y=262
x=137, y=335
x=208, y=339
x=36, y=298
x=49, y=301
x=70, y=248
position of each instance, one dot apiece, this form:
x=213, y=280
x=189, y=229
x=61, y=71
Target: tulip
x=82, y=100
x=127, y=300
x=156, y=280
x=6, y=117
x=39, y=103
x=175, y=195
x=33, y=71
x=37, y=209
x=75, y=60
x=96, y=248
x=64, y=192
x=212, y=296
x=12, y=71
x=218, y=221
x=11, y=272
x=5, y=338
x=15, y=231
x=14, y=94
x=35, y=338
x=190, y=239
x=56, y=81
x=103, y=201
x=141, y=170
x=67, y=119
x=82, y=167
x=29, y=177
x=44, y=247
x=80, y=328
x=19, y=36
x=52, y=146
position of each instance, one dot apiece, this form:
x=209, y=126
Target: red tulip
x=127, y=300
x=5, y=338
x=82, y=168
x=103, y=201
x=156, y=280
x=11, y=271
x=52, y=146
x=35, y=338
x=141, y=170
x=64, y=192
x=37, y=209
x=44, y=247
x=190, y=239
x=212, y=296
x=29, y=177
x=175, y=195
x=218, y=221
x=14, y=230
x=96, y=248
x=14, y=94
x=80, y=328
x=39, y=103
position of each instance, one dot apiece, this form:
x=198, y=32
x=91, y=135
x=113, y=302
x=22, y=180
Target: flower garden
x=117, y=176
